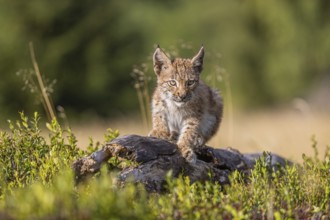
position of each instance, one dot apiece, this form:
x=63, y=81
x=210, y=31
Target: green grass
x=36, y=182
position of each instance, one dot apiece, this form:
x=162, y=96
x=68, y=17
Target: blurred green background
x=266, y=52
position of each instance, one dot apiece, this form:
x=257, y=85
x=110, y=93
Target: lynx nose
x=183, y=97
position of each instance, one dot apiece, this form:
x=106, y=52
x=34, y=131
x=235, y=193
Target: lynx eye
x=172, y=83
x=191, y=82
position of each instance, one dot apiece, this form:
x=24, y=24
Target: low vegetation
x=36, y=182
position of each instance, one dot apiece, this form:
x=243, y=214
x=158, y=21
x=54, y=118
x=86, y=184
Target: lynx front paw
x=189, y=155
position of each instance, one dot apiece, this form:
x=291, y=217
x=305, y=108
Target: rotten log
x=154, y=158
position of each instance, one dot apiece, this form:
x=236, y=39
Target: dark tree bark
x=153, y=158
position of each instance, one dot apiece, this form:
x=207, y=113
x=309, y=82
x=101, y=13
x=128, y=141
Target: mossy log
x=153, y=158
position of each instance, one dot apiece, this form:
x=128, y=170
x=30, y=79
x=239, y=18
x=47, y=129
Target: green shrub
x=26, y=156
x=292, y=192
x=100, y=198
x=37, y=183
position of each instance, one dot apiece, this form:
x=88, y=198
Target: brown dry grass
x=286, y=132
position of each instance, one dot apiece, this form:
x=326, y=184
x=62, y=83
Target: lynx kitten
x=184, y=109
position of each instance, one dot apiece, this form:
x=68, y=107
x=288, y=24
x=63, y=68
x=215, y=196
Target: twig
x=49, y=108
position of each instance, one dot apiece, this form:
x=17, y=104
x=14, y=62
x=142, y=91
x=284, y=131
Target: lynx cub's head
x=178, y=78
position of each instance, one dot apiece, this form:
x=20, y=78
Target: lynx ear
x=197, y=61
x=160, y=59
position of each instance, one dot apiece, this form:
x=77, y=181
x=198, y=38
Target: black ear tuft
x=197, y=60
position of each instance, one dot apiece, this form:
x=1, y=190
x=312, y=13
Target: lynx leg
x=189, y=140
x=159, y=128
